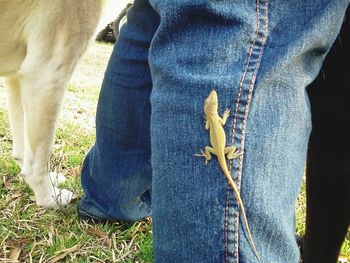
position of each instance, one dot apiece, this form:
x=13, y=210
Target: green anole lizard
x=215, y=124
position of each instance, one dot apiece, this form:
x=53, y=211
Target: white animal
x=41, y=42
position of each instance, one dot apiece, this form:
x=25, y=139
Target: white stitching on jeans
x=244, y=121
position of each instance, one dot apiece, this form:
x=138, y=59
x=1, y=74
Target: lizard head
x=211, y=103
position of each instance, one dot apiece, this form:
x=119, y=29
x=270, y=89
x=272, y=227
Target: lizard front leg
x=208, y=151
x=232, y=152
x=207, y=126
x=224, y=117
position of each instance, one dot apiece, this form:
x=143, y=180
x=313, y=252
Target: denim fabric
x=259, y=56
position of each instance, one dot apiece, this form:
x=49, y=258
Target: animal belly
x=10, y=59
x=13, y=15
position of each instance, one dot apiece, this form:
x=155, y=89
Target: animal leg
x=224, y=117
x=232, y=152
x=206, y=154
x=43, y=79
x=41, y=105
x=15, y=113
x=54, y=43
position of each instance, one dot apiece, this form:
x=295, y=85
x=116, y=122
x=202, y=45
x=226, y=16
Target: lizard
x=214, y=123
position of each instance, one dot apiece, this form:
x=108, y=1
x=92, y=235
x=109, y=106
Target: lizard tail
x=240, y=202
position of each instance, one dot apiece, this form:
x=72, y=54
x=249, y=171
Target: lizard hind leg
x=232, y=152
x=208, y=151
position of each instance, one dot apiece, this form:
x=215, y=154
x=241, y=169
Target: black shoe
x=89, y=218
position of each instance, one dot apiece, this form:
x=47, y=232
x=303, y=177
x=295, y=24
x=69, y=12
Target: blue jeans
x=259, y=56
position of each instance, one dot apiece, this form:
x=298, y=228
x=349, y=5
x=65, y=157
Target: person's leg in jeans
x=116, y=176
x=259, y=57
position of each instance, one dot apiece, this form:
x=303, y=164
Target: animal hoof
x=63, y=197
x=57, y=178
x=58, y=198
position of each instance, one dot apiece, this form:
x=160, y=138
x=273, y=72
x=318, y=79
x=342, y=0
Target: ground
x=31, y=234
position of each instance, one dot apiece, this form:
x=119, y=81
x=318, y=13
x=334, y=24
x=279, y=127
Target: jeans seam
x=260, y=34
x=226, y=227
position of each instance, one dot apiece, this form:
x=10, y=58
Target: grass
x=31, y=234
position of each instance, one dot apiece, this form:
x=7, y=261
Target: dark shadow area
x=328, y=164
